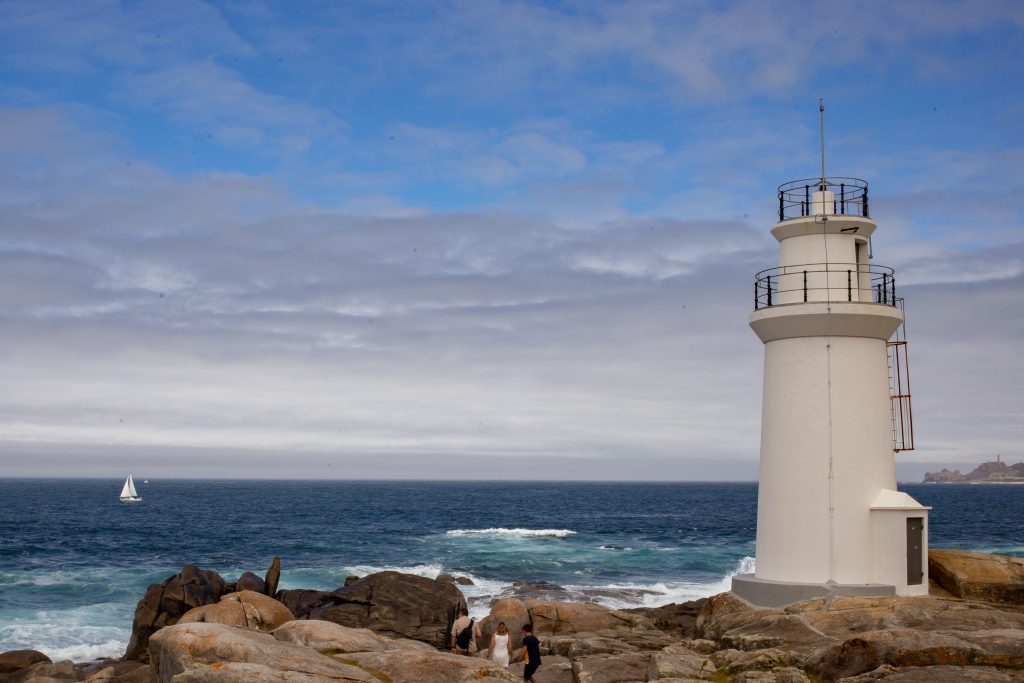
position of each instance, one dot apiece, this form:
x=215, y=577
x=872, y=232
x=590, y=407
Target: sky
x=481, y=239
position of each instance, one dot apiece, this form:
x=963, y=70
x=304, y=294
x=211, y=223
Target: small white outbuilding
x=829, y=518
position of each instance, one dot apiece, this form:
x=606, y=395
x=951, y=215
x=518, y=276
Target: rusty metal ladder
x=899, y=389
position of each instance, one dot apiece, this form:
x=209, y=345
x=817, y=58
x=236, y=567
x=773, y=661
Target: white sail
x=128, y=491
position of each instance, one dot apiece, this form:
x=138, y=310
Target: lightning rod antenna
x=821, y=112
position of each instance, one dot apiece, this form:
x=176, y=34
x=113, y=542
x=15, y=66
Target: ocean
x=74, y=560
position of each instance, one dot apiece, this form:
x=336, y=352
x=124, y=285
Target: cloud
x=180, y=61
x=728, y=51
x=85, y=38
x=185, y=321
x=216, y=99
x=480, y=230
x=217, y=311
x=536, y=153
x=661, y=249
x=490, y=157
x=964, y=369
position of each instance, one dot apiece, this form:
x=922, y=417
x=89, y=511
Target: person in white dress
x=500, y=649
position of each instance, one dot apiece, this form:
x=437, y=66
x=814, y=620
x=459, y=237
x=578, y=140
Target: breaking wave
x=500, y=531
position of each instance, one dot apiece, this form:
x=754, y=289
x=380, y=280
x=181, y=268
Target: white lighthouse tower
x=829, y=518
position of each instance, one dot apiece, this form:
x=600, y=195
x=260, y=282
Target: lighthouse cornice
x=824, y=224
x=826, y=319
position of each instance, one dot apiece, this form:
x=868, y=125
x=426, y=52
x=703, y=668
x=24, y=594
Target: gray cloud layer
x=206, y=312
x=585, y=318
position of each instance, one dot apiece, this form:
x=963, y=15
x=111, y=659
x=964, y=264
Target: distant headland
x=995, y=472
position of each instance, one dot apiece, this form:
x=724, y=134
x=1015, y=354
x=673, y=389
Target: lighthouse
x=829, y=518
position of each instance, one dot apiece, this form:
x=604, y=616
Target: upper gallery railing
x=850, y=197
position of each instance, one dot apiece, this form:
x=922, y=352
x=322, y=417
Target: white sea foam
x=1017, y=550
x=664, y=593
x=482, y=593
x=614, y=596
x=745, y=566
x=111, y=649
x=80, y=634
x=500, y=531
x=103, y=577
x=480, y=589
x=28, y=578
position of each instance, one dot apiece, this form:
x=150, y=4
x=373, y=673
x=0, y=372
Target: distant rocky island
x=995, y=472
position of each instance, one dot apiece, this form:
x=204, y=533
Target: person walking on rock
x=531, y=653
x=465, y=632
x=500, y=650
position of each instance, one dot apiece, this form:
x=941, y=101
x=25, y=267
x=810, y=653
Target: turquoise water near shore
x=74, y=560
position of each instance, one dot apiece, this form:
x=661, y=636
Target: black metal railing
x=825, y=282
x=850, y=197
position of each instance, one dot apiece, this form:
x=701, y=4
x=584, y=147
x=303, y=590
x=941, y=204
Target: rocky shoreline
x=393, y=628
x=995, y=472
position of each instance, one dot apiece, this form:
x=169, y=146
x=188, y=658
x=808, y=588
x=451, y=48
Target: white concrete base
x=765, y=593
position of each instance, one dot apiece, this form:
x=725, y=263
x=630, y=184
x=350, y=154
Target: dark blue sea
x=74, y=560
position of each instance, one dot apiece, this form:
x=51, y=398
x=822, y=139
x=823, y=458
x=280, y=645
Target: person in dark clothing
x=531, y=653
x=468, y=627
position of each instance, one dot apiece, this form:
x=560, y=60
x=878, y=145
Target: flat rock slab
x=216, y=652
x=937, y=674
x=843, y=617
x=582, y=645
x=772, y=630
x=611, y=668
x=122, y=672
x=242, y=672
x=866, y=638
x=902, y=648
x=410, y=666
x=678, y=662
x=978, y=576
x=563, y=618
x=329, y=638
x=760, y=660
x=738, y=625
x=553, y=669
x=784, y=675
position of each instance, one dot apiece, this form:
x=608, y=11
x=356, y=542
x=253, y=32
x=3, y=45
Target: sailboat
x=128, y=493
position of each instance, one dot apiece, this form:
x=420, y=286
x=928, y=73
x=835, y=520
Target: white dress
x=500, y=653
